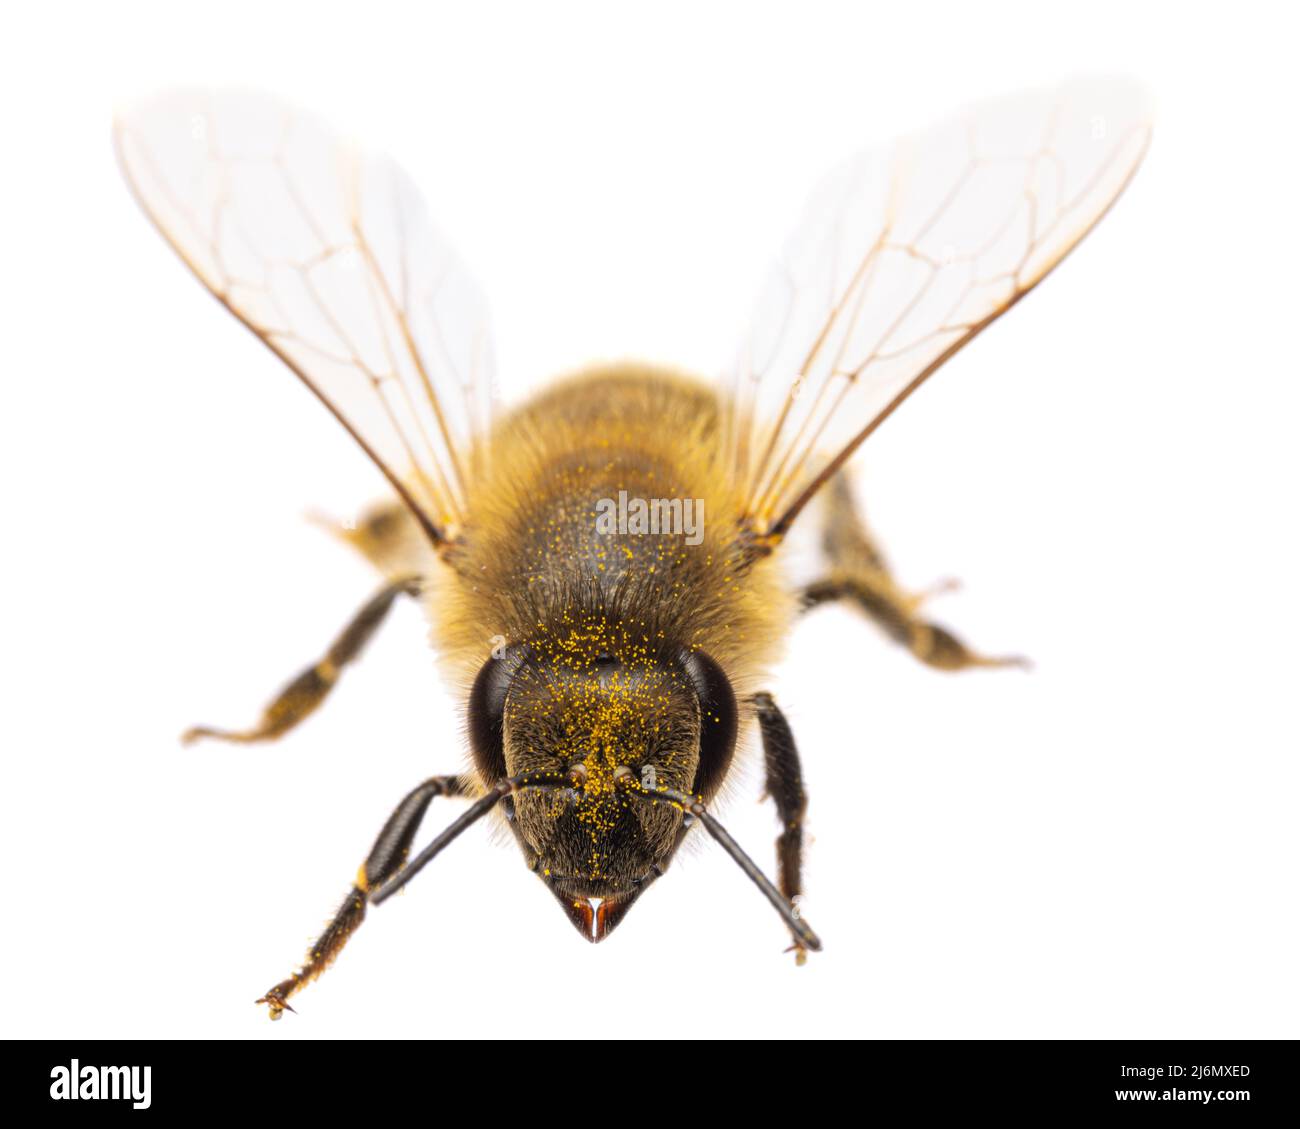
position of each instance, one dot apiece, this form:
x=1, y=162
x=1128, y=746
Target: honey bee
x=601, y=565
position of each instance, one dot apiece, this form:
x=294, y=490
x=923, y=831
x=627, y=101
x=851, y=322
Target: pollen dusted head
x=600, y=701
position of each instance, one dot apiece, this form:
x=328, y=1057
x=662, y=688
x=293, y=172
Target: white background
x=1104, y=847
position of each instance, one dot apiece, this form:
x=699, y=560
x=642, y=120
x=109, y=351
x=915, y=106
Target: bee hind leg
x=859, y=574
x=784, y=776
x=301, y=696
x=386, y=858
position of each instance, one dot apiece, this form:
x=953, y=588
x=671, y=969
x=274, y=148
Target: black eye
x=717, y=720
x=487, y=707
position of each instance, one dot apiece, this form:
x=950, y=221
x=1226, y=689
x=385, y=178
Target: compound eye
x=717, y=720
x=487, y=710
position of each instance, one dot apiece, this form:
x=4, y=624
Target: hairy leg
x=859, y=574
x=304, y=694
x=386, y=858
x=785, y=787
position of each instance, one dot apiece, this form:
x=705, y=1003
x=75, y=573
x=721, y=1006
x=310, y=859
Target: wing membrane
x=326, y=254
x=903, y=257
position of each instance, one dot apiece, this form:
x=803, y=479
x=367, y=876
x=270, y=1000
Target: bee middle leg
x=386, y=858
x=860, y=575
x=785, y=787
x=301, y=696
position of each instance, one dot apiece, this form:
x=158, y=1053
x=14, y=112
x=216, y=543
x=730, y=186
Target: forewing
x=327, y=254
x=903, y=256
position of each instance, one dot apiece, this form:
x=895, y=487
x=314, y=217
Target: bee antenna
x=476, y=811
x=693, y=806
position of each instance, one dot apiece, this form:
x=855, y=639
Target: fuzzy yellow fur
x=529, y=545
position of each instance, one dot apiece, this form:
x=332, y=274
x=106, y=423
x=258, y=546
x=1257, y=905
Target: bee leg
x=386, y=858
x=860, y=574
x=305, y=693
x=386, y=535
x=785, y=787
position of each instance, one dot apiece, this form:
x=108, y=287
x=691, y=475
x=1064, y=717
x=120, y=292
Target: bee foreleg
x=386, y=858
x=860, y=574
x=785, y=787
x=305, y=693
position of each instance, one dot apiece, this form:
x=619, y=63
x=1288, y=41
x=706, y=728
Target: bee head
x=617, y=715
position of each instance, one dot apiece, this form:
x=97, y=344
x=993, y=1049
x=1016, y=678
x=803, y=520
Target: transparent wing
x=326, y=253
x=902, y=258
